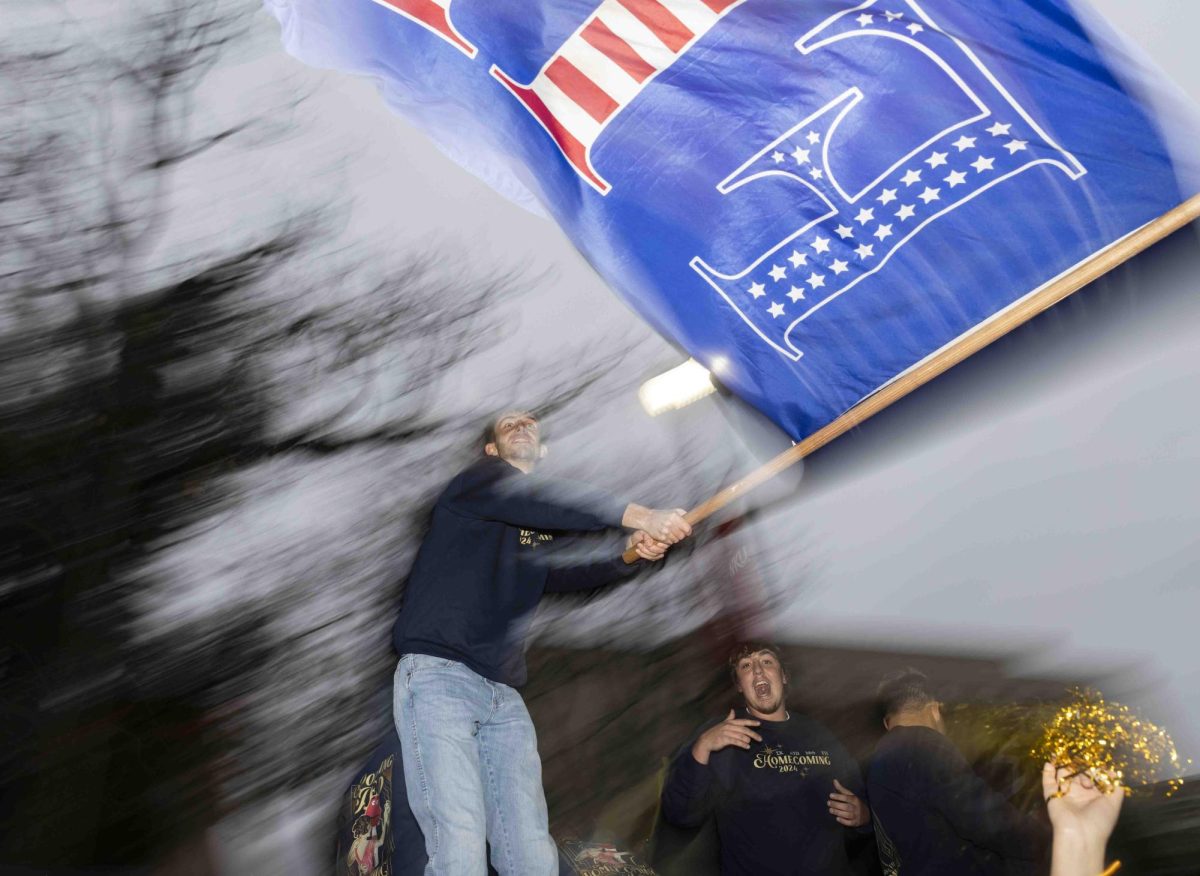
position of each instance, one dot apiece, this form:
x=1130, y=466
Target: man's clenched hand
x=662, y=524
x=647, y=548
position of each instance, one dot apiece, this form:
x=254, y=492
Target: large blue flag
x=809, y=196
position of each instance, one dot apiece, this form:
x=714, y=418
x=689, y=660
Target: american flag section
x=433, y=15
x=858, y=232
x=605, y=64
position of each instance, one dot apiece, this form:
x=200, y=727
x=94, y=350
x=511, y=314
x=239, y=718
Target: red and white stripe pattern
x=605, y=64
x=433, y=15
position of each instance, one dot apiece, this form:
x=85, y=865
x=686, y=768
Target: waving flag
x=810, y=196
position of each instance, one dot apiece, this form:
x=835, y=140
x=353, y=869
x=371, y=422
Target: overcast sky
x=1041, y=500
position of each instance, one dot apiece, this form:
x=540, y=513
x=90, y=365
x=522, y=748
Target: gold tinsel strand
x=1111, y=743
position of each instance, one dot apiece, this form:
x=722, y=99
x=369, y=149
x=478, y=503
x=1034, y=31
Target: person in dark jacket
x=933, y=814
x=471, y=766
x=784, y=791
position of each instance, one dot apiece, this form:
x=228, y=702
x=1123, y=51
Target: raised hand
x=1082, y=807
x=732, y=731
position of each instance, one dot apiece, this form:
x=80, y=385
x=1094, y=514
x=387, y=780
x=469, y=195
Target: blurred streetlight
x=676, y=388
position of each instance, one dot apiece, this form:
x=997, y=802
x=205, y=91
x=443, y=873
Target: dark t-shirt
x=771, y=801
x=940, y=817
x=484, y=565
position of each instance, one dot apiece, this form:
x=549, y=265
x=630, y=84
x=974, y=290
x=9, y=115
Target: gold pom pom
x=1110, y=744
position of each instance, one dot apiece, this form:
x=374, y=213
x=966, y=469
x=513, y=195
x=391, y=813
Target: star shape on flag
x=929, y=195
x=813, y=137
x=865, y=19
x=1014, y=146
x=883, y=232
x=907, y=211
x=758, y=290
x=865, y=250
x=816, y=173
x=796, y=294
x=839, y=266
x=801, y=155
x=887, y=197
x=844, y=231
x=893, y=16
x=777, y=156
x=981, y=164
x=776, y=309
x=963, y=143
x=936, y=159
x=797, y=259
x=999, y=130
x=864, y=216
x=777, y=272
x=816, y=280
x=913, y=176
x=821, y=244
x=915, y=28
x=956, y=178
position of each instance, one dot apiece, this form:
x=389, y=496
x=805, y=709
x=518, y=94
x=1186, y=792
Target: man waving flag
x=811, y=197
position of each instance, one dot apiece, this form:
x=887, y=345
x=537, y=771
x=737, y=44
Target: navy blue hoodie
x=483, y=565
x=940, y=817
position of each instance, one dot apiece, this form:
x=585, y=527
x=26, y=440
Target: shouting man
x=784, y=792
x=471, y=764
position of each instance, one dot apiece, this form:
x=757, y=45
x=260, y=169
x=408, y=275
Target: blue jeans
x=472, y=771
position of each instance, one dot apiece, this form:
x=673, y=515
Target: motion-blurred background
x=249, y=323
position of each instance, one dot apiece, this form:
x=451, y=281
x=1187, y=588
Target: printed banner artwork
x=377, y=832
x=370, y=842
x=810, y=198
x=589, y=858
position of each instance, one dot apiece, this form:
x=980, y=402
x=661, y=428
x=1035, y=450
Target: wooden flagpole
x=972, y=342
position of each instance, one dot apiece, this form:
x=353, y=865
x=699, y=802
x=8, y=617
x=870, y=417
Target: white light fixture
x=676, y=388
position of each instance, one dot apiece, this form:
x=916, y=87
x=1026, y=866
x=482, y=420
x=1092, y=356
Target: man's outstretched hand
x=666, y=525
x=846, y=807
x=647, y=548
